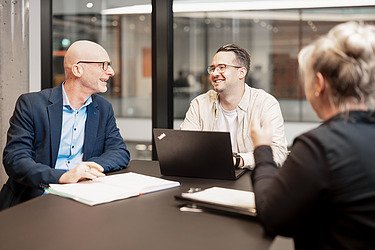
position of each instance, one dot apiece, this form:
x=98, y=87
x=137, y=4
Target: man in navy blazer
x=64, y=134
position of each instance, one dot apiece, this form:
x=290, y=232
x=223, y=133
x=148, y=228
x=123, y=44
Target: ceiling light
x=187, y=6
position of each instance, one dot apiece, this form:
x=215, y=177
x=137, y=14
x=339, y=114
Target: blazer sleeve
x=19, y=153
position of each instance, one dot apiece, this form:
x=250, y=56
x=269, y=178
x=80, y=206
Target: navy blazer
x=33, y=141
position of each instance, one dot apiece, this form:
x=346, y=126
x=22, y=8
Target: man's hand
x=84, y=170
x=261, y=134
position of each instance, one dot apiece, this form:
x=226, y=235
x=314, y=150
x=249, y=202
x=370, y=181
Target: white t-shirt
x=228, y=122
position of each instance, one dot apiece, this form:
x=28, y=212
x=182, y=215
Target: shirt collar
x=66, y=99
x=245, y=100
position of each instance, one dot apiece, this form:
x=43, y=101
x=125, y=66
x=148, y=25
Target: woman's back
x=347, y=212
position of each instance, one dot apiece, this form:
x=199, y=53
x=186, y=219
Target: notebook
x=200, y=154
x=111, y=187
x=222, y=199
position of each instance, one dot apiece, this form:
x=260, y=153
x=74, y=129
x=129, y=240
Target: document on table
x=111, y=188
x=224, y=199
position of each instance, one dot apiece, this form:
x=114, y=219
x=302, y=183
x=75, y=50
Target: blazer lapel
x=91, y=129
x=55, y=121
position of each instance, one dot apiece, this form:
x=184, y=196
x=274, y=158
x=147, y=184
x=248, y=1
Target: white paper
x=110, y=188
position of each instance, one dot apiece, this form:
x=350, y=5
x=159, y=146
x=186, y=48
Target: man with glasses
x=232, y=105
x=64, y=134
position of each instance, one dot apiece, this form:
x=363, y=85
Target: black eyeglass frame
x=211, y=69
x=105, y=64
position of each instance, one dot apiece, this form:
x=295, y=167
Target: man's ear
x=77, y=70
x=242, y=72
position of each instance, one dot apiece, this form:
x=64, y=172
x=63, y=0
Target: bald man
x=64, y=134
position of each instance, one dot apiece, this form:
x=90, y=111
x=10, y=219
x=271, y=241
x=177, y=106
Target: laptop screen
x=201, y=154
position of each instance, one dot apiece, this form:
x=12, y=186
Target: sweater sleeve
x=191, y=121
x=287, y=197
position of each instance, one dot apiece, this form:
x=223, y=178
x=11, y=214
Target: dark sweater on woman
x=324, y=195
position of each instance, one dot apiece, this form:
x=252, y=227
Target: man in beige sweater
x=232, y=105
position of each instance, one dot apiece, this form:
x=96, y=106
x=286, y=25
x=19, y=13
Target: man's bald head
x=84, y=51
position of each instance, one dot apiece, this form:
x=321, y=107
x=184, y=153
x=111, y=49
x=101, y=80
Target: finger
x=80, y=168
x=96, y=172
x=74, y=175
x=92, y=171
x=94, y=165
x=89, y=176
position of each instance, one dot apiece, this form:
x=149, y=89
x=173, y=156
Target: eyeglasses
x=220, y=68
x=104, y=64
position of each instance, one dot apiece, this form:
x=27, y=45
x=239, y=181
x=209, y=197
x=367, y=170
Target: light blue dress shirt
x=72, y=134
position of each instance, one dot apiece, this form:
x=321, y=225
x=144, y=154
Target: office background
x=160, y=60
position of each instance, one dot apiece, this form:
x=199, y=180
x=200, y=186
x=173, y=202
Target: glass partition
x=272, y=37
x=127, y=38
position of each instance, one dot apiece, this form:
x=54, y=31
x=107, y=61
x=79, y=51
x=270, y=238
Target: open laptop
x=200, y=154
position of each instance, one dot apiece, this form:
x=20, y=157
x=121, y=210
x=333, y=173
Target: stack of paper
x=220, y=198
x=110, y=188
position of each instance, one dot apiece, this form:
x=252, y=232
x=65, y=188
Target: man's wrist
x=238, y=160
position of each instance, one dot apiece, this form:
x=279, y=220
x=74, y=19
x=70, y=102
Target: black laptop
x=200, y=154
